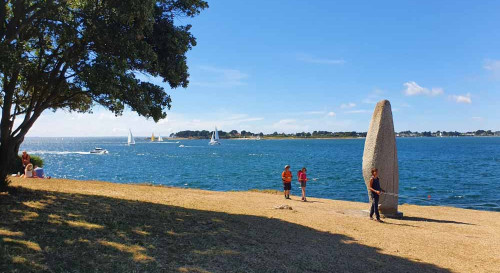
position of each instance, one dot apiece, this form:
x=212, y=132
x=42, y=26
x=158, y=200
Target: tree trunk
x=8, y=157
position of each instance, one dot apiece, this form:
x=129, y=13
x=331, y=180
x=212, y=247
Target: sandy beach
x=49, y=223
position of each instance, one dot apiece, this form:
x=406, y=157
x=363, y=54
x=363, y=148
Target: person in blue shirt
x=39, y=172
x=375, y=190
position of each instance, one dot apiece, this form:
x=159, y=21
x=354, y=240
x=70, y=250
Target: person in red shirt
x=303, y=182
x=286, y=176
x=26, y=159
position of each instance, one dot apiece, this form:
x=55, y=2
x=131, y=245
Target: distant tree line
x=447, y=134
x=204, y=134
x=244, y=134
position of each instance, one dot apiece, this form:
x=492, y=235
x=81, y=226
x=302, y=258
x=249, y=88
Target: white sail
x=216, y=134
x=131, y=140
x=160, y=138
x=214, y=140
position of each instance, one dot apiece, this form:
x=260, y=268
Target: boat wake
x=186, y=146
x=58, y=153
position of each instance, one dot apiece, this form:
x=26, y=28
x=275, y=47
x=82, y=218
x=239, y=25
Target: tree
x=75, y=54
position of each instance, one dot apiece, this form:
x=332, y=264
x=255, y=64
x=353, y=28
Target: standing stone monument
x=381, y=153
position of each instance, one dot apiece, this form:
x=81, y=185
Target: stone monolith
x=381, y=153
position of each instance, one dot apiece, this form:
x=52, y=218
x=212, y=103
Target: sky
x=293, y=66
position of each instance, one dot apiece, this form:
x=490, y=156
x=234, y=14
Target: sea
x=461, y=172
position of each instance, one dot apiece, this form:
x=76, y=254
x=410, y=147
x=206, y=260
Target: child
x=28, y=171
x=286, y=176
x=303, y=182
x=375, y=191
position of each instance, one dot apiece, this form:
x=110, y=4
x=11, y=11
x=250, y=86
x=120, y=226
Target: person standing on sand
x=375, y=191
x=303, y=182
x=286, y=176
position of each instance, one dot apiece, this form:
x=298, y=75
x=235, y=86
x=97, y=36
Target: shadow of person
x=420, y=219
x=56, y=232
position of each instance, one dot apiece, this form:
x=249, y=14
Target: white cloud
x=370, y=100
x=347, y=105
x=84, y=125
x=309, y=59
x=356, y=111
x=331, y=114
x=477, y=118
x=462, y=98
x=315, y=112
x=413, y=89
x=288, y=125
x=209, y=76
x=374, y=97
x=493, y=66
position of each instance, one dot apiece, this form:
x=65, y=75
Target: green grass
x=42, y=231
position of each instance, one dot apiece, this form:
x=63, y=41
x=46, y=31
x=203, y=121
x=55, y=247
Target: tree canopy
x=75, y=54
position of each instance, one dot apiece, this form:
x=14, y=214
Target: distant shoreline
x=263, y=138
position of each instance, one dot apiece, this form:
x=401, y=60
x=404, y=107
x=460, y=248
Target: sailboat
x=153, y=137
x=214, y=140
x=131, y=140
x=160, y=138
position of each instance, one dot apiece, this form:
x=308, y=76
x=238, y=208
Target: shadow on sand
x=56, y=232
x=419, y=219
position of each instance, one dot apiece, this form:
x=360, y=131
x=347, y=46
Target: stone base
x=397, y=215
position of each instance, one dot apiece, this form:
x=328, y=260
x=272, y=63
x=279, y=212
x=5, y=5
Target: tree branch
x=19, y=22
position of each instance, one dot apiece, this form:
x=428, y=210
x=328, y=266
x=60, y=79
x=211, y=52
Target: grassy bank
x=87, y=226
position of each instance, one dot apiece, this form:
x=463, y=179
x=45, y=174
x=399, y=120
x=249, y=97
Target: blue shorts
x=287, y=186
x=303, y=184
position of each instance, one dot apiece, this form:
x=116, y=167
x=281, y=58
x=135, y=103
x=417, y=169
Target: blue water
x=461, y=172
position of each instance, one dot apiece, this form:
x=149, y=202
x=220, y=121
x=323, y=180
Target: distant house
x=497, y=133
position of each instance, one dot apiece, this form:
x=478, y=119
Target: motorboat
x=100, y=151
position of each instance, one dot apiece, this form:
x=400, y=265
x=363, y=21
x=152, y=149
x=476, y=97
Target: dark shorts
x=287, y=186
x=303, y=184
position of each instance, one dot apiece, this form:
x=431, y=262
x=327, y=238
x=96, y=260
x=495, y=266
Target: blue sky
x=293, y=66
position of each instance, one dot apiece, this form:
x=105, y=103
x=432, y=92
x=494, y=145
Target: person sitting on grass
x=286, y=176
x=303, y=182
x=25, y=159
x=39, y=172
x=375, y=190
x=28, y=171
